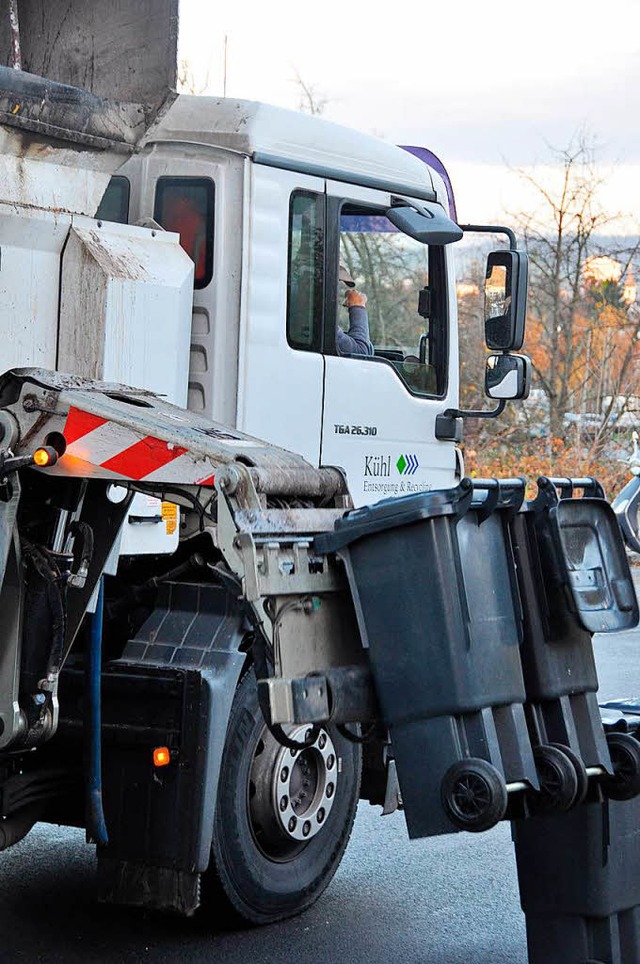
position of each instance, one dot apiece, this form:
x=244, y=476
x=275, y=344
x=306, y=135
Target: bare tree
x=190, y=81
x=560, y=239
x=310, y=100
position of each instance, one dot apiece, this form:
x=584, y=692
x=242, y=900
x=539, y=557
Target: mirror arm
x=492, y=229
x=448, y=426
x=400, y=202
x=470, y=413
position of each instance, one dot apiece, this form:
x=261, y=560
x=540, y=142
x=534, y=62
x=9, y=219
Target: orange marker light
x=45, y=456
x=161, y=756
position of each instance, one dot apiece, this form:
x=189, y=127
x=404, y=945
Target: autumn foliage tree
x=583, y=328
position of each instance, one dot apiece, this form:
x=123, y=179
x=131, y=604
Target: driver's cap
x=345, y=276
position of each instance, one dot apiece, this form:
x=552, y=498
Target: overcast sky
x=485, y=86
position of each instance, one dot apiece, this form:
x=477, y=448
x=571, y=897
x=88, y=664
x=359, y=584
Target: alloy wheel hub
x=304, y=785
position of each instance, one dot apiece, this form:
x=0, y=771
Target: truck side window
x=391, y=269
x=305, y=275
x=114, y=205
x=186, y=205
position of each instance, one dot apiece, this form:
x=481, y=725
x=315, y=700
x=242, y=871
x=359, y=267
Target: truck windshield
x=391, y=269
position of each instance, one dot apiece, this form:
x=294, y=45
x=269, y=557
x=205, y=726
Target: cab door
x=281, y=374
x=379, y=411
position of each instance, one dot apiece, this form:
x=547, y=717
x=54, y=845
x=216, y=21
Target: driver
x=356, y=341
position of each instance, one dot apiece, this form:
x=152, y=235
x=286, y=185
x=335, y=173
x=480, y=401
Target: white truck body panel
x=56, y=179
x=125, y=316
x=380, y=434
x=30, y=249
x=125, y=312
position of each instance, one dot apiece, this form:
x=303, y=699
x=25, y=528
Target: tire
x=625, y=757
x=581, y=772
x=558, y=780
x=474, y=795
x=262, y=870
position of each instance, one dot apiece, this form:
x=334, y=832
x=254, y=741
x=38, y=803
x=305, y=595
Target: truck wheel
x=283, y=817
x=558, y=780
x=624, y=750
x=474, y=795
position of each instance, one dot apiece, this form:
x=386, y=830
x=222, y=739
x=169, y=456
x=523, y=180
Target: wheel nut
x=306, y=828
x=293, y=752
x=322, y=741
x=284, y=803
x=292, y=824
x=320, y=815
x=308, y=735
x=284, y=774
x=331, y=761
x=330, y=789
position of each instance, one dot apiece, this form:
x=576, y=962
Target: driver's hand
x=354, y=297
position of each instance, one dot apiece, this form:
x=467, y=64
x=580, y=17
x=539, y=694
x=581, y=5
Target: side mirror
x=505, y=300
x=507, y=376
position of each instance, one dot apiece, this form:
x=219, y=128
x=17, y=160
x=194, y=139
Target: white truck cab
x=267, y=202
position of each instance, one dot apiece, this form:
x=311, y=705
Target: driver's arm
x=356, y=341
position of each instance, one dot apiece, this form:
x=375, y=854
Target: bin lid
x=596, y=566
x=393, y=513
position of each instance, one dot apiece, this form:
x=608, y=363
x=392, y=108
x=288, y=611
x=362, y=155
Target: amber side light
x=161, y=756
x=45, y=456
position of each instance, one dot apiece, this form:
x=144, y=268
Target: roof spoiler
x=429, y=158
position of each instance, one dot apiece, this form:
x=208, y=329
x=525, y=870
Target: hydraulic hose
x=94, y=813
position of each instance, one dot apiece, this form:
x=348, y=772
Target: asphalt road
x=450, y=900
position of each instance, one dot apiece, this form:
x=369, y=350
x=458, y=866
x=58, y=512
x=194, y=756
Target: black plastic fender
x=198, y=627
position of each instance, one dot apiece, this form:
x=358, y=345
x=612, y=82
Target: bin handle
x=501, y=493
x=590, y=486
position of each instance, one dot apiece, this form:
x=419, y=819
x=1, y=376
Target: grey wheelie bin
x=574, y=580
x=579, y=877
x=433, y=581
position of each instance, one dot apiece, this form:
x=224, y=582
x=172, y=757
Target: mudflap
x=173, y=688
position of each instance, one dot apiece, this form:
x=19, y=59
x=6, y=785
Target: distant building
x=601, y=268
x=629, y=288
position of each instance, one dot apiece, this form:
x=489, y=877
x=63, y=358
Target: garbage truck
x=214, y=644
x=242, y=332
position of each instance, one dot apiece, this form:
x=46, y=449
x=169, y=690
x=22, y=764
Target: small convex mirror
x=507, y=376
x=505, y=300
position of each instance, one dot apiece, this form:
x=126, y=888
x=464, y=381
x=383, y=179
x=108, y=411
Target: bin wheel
x=581, y=772
x=558, y=780
x=474, y=795
x=625, y=757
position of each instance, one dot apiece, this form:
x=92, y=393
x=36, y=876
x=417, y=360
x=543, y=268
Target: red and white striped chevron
x=99, y=448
